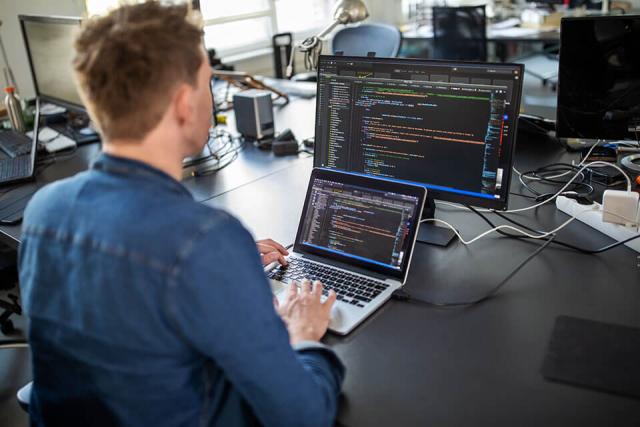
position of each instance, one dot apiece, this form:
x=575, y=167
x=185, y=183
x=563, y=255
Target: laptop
x=356, y=235
x=20, y=152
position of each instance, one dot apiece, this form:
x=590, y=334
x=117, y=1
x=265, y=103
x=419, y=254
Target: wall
x=12, y=37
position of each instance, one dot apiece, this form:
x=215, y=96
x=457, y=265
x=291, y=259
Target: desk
x=417, y=41
x=411, y=364
x=514, y=34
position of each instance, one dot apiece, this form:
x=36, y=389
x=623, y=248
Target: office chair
x=384, y=40
x=460, y=33
x=381, y=39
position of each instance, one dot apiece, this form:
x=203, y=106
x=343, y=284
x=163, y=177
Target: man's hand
x=271, y=251
x=307, y=318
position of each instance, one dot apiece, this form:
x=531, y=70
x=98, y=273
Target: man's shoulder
x=53, y=199
x=136, y=218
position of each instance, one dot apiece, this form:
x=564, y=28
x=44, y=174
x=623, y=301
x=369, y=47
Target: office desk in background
x=413, y=364
x=418, y=42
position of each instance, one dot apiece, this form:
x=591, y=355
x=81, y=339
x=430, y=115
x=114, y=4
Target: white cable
x=517, y=230
x=559, y=192
x=592, y=164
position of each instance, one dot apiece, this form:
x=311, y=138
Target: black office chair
x=460, y=33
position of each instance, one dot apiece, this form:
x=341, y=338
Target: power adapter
x=282, y=148
x=620, y=207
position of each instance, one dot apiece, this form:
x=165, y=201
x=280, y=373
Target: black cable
x=224, y=155
x=555, y=241
x=405, y=296
x=539, y=176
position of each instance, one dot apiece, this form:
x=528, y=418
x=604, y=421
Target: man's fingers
x=270, y=257
x=292, y=293
x=305, y=288
x=267, y=245
x=317, y=289
x=331, y=299
x=277, y=246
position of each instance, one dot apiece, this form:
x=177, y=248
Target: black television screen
x=599, y=78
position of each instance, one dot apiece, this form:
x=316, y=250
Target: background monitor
x=447, y=126
x=599, y=78
x=49, y=44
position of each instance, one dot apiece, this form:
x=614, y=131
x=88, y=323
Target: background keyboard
x=350, y=288
x=14, y=144
x=18, y=167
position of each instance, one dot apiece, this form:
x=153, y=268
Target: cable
x=539, y=235
x=223, y=156
x=498, y=228
x=405, y=296
x=556, y=241
x=592, y=164
x=559, y=192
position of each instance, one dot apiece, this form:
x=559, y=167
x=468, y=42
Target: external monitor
x=599, y=78
x=447, y=126
x=49, y=44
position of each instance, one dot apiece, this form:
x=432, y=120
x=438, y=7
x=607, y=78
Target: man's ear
x=183, y=104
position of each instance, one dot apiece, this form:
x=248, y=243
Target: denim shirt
x=147, y=308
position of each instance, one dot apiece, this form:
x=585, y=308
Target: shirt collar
x=134, y=168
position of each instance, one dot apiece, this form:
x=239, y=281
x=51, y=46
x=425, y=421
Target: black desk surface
x=413, y=364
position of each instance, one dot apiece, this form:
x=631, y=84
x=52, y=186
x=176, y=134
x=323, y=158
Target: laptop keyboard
x=350, y=288
x=15, y=168
x=14, y=144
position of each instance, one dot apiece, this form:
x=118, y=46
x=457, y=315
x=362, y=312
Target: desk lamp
x=344, y=12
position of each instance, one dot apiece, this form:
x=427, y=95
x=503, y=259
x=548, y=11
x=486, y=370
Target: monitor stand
x=431, y=234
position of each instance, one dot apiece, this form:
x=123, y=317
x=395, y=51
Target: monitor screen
x=370, y=224
x=599, y=78
x=449, y=127
x=49, y=43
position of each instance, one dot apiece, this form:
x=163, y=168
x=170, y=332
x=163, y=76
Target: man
x=147, y=308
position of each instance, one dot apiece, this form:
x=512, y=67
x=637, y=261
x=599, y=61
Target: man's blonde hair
x=129, y=63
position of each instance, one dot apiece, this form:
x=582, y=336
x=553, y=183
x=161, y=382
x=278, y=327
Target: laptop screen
x=361, y=221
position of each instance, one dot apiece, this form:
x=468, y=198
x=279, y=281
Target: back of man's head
x=129, y=63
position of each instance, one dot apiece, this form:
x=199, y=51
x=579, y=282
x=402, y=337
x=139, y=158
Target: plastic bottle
x=14, y=109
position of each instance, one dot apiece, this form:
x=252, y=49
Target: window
x=102, y=7
x=233, y=27
x=236, y=26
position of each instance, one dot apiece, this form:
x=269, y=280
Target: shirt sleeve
x=221, y=303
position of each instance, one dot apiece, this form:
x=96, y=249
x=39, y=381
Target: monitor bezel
x=436, y=193
x=67, y=20
x=379, y=184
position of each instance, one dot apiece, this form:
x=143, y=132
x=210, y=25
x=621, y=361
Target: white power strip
x=592, y=215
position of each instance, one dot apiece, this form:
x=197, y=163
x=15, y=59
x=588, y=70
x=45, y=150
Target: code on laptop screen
x=360, y=223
